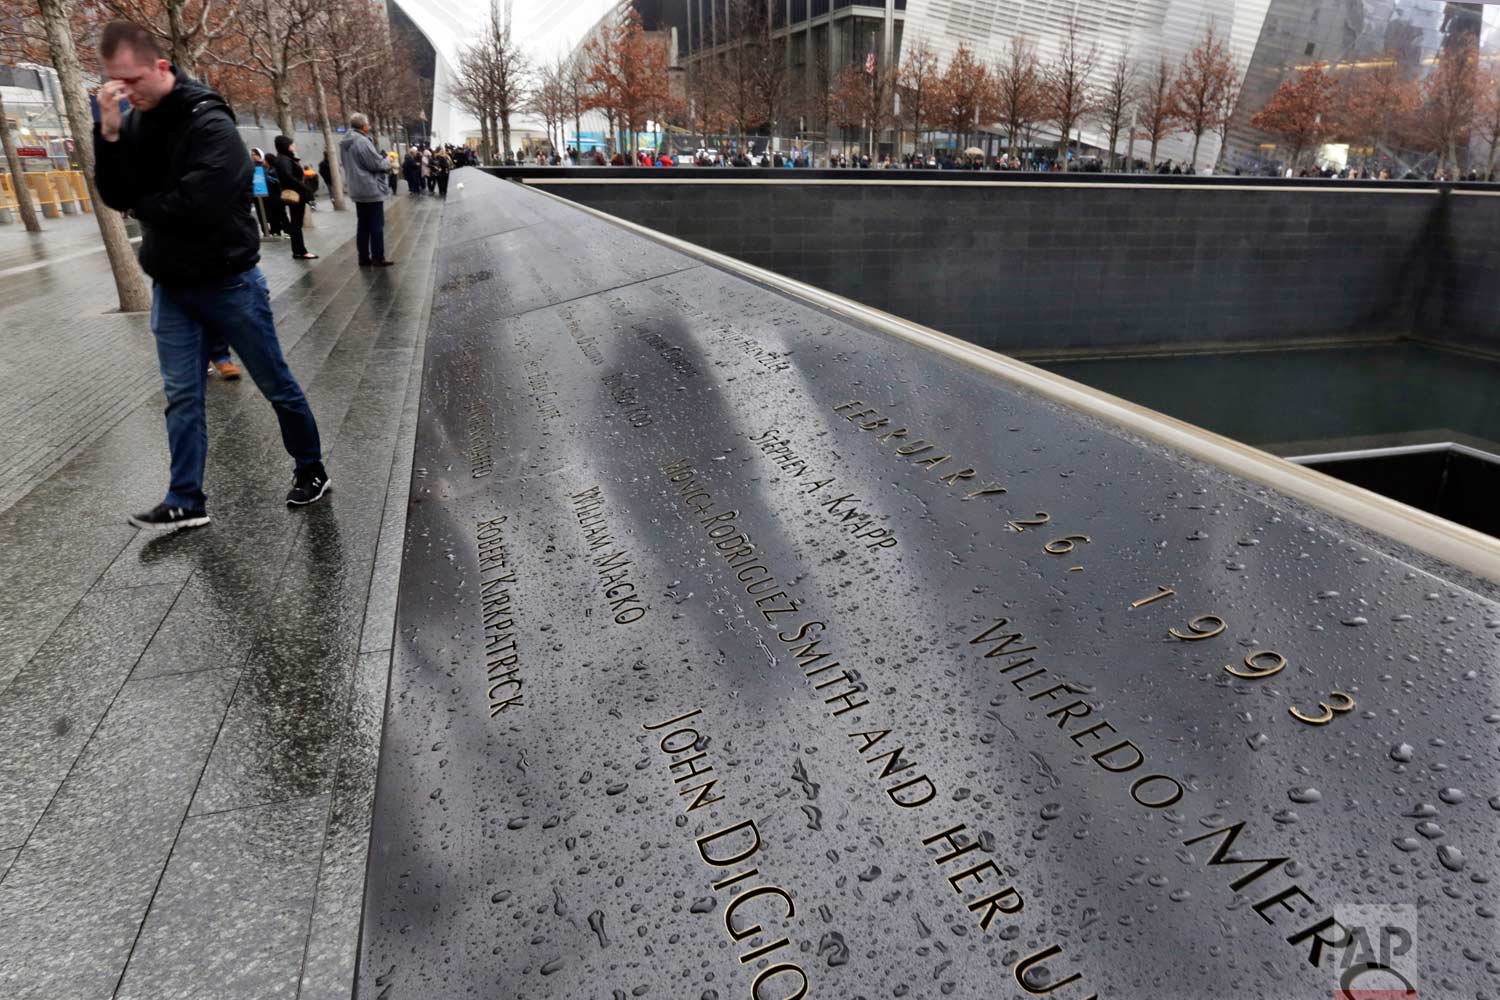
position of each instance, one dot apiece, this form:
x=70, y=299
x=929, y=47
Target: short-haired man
x=366, y=171
x=175, y=161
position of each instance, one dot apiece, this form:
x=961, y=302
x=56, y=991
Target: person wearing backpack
x=176, y=162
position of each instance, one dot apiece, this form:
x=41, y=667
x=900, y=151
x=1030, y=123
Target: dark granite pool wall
x=1022, y=264
x=1461, y=304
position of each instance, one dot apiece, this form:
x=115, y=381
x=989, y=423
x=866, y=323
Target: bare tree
x=1068, y=93
x=335, y=167
x=628, y=75
x=15, y=43
x=576, y=88
x=273, y=45
x=763, y=58
x=917, y=84
x=549, y=99
x=17, y=180
x=964, y=95
x=355, y=36
x=1018, y=90
x=1300, y=111
x=470, y=91
x=1488, y=119
x=1451, y=98
x=130, y=283
x=1116, y=100
x=493, y=82
x=1378, y=104
x=704, y=112
x=186, y=29
x=1155, y=118
x=748, y=30
x=1199, y=93
x=510, y=71
x=863, y=94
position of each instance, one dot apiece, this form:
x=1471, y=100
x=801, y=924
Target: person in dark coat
x=441, y=166
x=411, y=168
x=176, y=162
x=326, y=172
x=289, y=173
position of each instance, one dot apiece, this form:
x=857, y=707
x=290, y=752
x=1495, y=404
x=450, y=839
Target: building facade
x=1347, y=35
x=545, y=29
x=35, y=116
x=840, y=33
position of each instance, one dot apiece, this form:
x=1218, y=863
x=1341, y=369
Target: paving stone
x=230, y=919
x=51, y=709
x=27, y=618
x=212, y=625
x=331, y=950
x=74, y=898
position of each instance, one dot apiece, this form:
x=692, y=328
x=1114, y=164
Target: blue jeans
x=369, y=230
x=237, y=310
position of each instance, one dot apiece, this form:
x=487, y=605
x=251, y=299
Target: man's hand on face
x=109, y=109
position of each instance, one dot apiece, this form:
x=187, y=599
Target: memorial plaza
x=1067, y=566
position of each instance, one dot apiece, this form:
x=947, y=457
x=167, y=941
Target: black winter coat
x=289, y=172
x=183, y=171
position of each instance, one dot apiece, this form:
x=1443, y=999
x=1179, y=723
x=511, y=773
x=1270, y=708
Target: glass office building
x=839, y=33
x=1267, y=39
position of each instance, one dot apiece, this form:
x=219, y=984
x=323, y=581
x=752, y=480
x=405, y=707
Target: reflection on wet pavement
x=189, y=723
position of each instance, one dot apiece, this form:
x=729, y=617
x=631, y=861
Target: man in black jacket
x=175, y=161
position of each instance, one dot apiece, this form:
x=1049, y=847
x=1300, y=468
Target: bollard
x=41, y=187
x=9, y=209
x=62, y=189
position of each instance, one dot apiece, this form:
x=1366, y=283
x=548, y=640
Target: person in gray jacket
x=365, y=171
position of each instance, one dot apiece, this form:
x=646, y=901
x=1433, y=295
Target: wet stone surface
x=740, y=649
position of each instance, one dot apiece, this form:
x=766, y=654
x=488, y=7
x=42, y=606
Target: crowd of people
x=943, y=159
x=425, y=170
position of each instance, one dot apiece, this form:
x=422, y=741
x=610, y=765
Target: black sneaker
x=308, y=486
x=164, y=517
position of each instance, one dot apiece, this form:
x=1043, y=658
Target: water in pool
x=1300, y=402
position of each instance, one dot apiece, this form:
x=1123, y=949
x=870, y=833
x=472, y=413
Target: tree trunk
x=1152, y=165
x=17, y=181
x=341, y=90
x=505, y=127
x=182, y=57
x=1197, y=138
x=130, y=283
x=335, y=168
x=281, y=93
